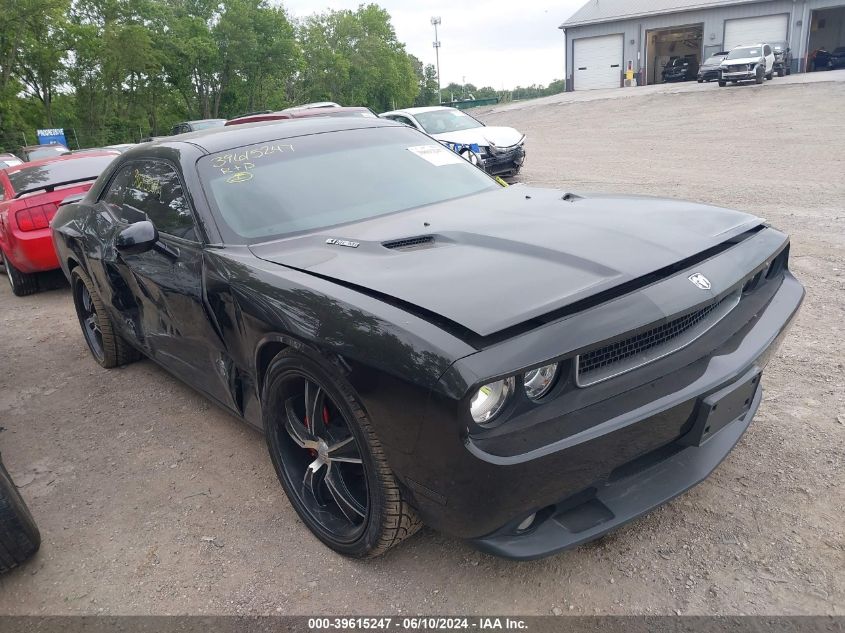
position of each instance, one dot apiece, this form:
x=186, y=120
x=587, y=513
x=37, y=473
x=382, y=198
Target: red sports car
x=30, y=194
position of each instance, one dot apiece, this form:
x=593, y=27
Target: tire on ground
x=116, y=351
x=391, y=518
x=19, y=536
x=22, y=283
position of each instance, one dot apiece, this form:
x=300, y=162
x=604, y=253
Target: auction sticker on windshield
x=437, y=155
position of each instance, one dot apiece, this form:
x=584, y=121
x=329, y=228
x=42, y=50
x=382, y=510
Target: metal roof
x=596, y=11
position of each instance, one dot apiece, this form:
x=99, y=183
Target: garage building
x=607, y=37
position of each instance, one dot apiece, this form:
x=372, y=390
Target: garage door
x=598, y=62
x=765, y=30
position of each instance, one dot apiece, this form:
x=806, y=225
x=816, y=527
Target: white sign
x=437, y=155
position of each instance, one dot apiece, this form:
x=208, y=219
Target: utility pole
x=435, y=22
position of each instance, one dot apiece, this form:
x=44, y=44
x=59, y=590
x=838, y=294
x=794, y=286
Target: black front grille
x=604, y=358
x=410, y=243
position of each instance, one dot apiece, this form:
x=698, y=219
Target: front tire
x=770, y=76
x=106, y=346
x=22, y=284
x=722, y=83
x=329, y=460
x=19, y=536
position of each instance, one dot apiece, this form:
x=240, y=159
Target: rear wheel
x=770, y=76
x=329, y=460
x=780, y=72
x=789, y=71
x=22, y=283
x=106, y=346
x=722, y=83
x=19, y=536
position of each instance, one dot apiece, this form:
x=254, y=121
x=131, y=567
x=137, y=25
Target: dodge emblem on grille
x=700, y=280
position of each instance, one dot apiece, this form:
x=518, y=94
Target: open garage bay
x=152, y=500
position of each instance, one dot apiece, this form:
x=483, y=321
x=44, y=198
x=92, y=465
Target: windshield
x=447, y=120
x=58, y=173
x=278, y=188
x=742, y=53
x=48, y=151
x=714, y=61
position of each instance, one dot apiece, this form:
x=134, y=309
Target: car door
x=164, y=301
x=770, y=58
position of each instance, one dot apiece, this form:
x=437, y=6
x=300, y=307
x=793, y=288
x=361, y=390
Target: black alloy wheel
x=106, y=346
x=321, y=458
x=329, y=460
x=90, y=323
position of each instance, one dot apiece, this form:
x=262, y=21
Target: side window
x=768, y=50
x=115, y=195
x=154, y=189
x=403, y=119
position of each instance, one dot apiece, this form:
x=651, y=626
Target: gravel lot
x=151, y=500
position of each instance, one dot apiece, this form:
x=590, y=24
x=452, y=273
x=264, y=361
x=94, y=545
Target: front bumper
x=650, y=480
x=745, y=75
x=597, y=457
x=630, y=493
x=507, y=162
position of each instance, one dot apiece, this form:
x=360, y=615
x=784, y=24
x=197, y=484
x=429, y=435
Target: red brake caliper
x=311, y=451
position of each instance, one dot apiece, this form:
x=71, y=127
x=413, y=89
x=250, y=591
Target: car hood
x=485, y=136
x=709, y=66
x=742, y=60
x=501, y=258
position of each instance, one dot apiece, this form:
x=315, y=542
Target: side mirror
x=137, y=238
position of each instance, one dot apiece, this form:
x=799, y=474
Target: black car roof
x=221, y=138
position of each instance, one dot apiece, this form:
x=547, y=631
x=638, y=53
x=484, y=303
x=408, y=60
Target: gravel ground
x=151, y=500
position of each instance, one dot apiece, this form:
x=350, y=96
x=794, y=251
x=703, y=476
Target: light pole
x=435, y=21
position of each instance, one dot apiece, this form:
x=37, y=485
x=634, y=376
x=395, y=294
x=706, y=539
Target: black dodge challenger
x=519, y=367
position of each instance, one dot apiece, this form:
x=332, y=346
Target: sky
x=498, y=43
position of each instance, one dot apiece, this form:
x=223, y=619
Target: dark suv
x=681, y=69
x=783, y=58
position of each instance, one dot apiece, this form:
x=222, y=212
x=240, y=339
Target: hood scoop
x=410, y=243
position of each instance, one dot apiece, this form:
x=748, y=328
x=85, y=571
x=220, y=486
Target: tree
x=353, y=57
x=40, y=49
x=117, y=70
x=427, y=81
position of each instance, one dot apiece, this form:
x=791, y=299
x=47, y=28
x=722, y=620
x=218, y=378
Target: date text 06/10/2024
x=417, y=623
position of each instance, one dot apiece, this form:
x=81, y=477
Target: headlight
x=490, y=400
x=539, y=381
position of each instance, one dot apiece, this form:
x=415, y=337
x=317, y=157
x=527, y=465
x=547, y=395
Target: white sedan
x=497, y=150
